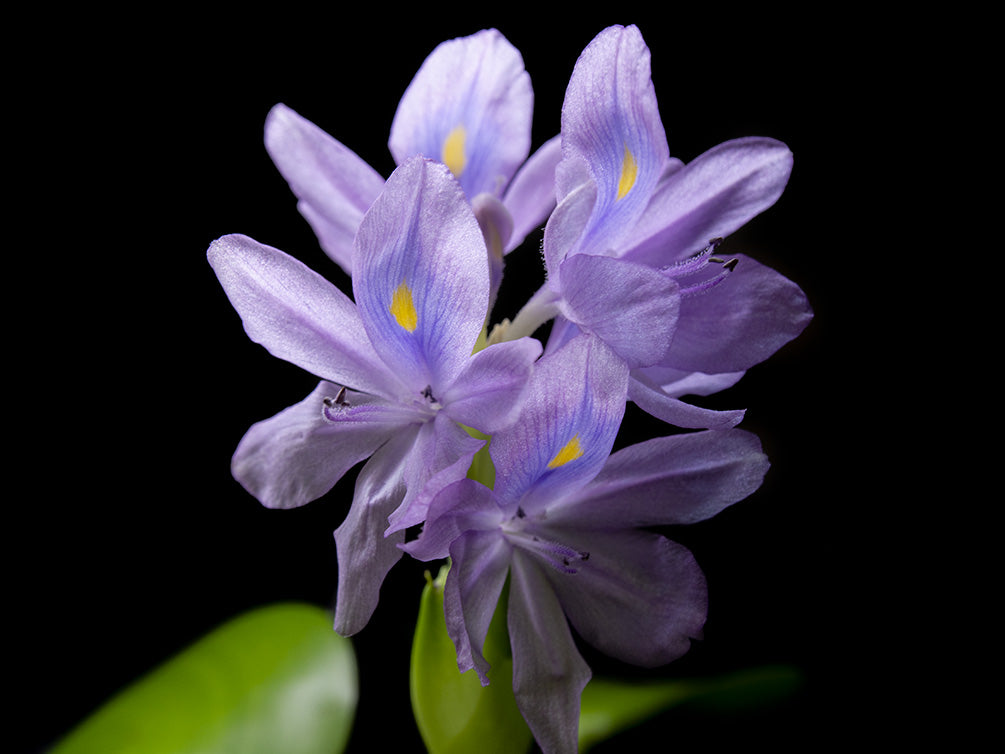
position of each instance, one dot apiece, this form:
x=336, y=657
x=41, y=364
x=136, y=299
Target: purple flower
x=631, y=248
x=399, y=377
x=469, y=106
x=562, y=523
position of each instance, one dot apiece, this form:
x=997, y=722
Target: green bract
x=454, y=712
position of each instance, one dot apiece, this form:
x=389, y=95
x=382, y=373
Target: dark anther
x=727, y=264
x=584, y=555
x=715, y=243
x=427, y=393
x=565, y=561
x=520, y=512
x=338, y=400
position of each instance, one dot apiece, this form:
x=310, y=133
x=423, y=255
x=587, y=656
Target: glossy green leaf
x=454, y=712
x=610, y=706
x=275, y=679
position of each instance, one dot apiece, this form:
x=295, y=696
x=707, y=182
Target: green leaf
x=454, y=712
x=610, y=706
x=275, y=679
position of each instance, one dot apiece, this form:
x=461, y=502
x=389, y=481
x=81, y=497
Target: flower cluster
x=416, y=378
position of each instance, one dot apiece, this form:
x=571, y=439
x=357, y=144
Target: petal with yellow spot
x=453, y=155
x=403, y=308
x=569, y=452
x=629, y=172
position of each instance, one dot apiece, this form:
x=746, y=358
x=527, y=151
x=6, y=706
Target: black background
x=135, y=380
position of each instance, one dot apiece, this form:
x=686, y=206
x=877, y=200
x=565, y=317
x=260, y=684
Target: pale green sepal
x=482, y=469
x=454, y=712
x=483, y=338
x=274, y=679
x=609, y=706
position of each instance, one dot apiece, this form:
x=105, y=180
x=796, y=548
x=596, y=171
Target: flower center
x=343, y=408
x=430, y=399
x=562, y=558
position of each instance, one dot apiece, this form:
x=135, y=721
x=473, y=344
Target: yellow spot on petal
x=629, y=171
x=570, y=452
x=403, y=308
x=453, y=151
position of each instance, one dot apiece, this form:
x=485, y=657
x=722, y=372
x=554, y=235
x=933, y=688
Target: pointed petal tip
x=278, y=120
x=227, y=246
x=278, y=110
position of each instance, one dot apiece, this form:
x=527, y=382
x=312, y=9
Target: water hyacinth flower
x=469, y=106
x=398, y=374
x=562, y=525
x=631, y=248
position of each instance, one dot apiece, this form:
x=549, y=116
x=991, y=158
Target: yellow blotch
x=570, y=452
x=629, y=171
x=453, y=151
x=403, y=308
